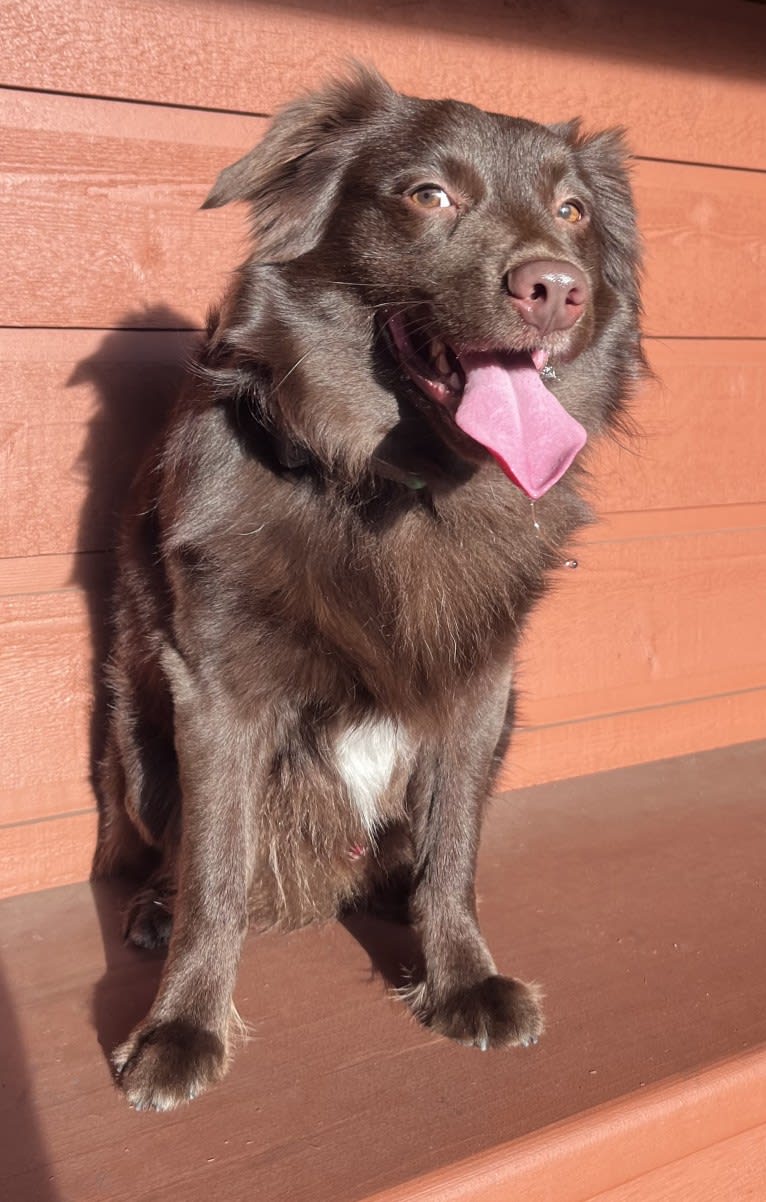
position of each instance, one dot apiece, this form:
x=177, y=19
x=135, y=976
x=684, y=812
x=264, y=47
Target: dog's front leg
x=182, y=1045
x=461, y=994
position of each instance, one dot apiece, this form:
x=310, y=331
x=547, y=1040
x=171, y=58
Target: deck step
x=636, y=897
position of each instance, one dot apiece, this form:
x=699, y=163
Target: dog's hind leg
x=137, y=781
x=120, y=849
x=149, y=917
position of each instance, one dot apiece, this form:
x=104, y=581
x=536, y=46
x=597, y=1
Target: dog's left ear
x=292, y=177
x=605, y=161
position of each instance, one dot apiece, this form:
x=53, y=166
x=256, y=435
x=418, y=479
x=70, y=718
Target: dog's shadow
x=134, y=375
x=131, y=977
x=381, y=925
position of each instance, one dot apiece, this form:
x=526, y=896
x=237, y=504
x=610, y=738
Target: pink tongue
x=507, y=408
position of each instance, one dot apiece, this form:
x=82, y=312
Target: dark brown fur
x=282, y=581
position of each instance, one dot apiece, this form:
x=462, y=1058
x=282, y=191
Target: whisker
x=420, y=335
x=381, y=329
x=358, y=283
x=294, y=367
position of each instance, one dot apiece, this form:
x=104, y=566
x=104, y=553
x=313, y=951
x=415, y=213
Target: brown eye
x=430, y=196
x=571, y=211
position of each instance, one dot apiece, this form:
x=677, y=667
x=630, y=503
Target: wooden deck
x=636, y=896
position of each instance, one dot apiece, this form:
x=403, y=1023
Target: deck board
x=635, y=896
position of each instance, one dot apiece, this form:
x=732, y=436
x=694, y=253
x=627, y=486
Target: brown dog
x=330, y=557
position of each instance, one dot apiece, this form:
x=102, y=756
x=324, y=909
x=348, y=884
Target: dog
x=329, y=557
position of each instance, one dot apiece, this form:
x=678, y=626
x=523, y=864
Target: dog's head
x=483, y=250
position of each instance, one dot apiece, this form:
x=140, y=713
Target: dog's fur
x=322, y=580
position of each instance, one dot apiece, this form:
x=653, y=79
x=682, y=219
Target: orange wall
x=116, y=118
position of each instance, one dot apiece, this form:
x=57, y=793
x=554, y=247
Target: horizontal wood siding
x=683, y=77
x=111, y=132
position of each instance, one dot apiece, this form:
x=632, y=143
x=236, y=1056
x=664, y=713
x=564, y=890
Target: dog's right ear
x=292, y=177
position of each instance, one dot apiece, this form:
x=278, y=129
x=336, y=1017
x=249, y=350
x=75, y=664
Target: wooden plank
x=632, y=641
x=618, y=527
x=91, y=571
x=598, y=744
x=78, y=411
x=79, y=408
x=702, y=232
x=39, y=855
x=636, y=897
x=51, y=648
x=55, y=844
x=672, y=1120
x=114, y=236
x=648, y=622
x=699, y=424
x=637, y=626
x=699, y=63
x=726, y=1172
x=99, y=219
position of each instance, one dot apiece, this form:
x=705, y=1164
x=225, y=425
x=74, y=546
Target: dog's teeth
x=454, y=382
x=442, y=364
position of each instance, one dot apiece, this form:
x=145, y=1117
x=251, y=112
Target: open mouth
x=499, y=400
x=437, y=369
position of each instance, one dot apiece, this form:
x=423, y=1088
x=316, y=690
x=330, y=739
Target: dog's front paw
x=494, y=1012
x=164, y=1064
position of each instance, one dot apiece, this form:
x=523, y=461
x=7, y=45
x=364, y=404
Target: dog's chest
x=370, y=757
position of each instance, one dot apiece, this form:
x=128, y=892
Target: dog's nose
x=550, y=294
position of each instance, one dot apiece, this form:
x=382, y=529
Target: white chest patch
x=366, y=756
